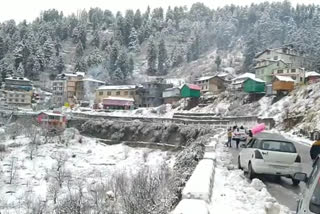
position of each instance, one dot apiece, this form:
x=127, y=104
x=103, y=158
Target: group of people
x=235, y=133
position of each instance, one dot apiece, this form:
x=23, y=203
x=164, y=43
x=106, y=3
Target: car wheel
x=251, y=173
x=239, y=163
x=295, y=182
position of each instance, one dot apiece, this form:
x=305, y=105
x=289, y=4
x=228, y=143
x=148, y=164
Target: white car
x=242, y=135
x=309, y=202
x=270, y=154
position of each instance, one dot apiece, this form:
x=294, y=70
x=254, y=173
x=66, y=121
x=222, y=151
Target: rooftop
x=92, y=80
x=256, y=79
x=284, y=78
x=117, y=87
x=244, y=76
x=120, y=98
x=17, y=78
x=194, y=87
x=52, y=114
x=312, y=74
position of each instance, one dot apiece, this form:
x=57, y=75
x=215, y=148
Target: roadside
x=282, y=189
x=234, y=193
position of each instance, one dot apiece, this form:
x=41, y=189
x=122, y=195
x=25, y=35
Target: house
x=190, y=90
x=312, y=77
x=282, y=84
x=254, y=85
x=287, y=54
x=124, y=91
x=237, y=83
x=52, y=120
x=297, y=74
x=85, y=89
x=171, y=95
x=18, y=91
x=151, y=93
x=64, y=88
x=264, y=68
x=286, y=57
x=213, y=84
x=118, y=103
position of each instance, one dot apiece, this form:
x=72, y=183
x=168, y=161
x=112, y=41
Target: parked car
x=309, y=202
x=241, y=134
x=270, y=154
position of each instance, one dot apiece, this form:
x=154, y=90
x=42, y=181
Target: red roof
x=194, y=87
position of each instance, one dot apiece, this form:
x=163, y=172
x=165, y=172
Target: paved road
x=283, y=190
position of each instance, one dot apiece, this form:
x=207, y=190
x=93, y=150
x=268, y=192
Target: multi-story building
x=297, y=74
x=151, y=93
x=64, y=88
x=269, y=60
x=18, y=91
x=85, y=89
x=121, y=91
x=213, y=84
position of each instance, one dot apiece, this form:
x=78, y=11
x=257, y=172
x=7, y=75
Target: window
x=315, y=199
x=280, y=71
x=293, y=70
x=131, y=92
x=294, y=77
x=22, y=100
x=314, y=172
x=100, y=93
x=17, y=100
x=109, y=93
x=126, y=93
x=301, y=79
x=118, y=93
x=275, y=57
x=17, y=95
x=22, y=95
x=251, y=142
x=10, y=100
x=10, y=95
x=60, y=88
x=279, y=146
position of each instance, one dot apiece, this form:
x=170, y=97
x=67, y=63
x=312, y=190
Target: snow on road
x=233, y=193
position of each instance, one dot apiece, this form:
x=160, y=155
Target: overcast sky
x=30, y=9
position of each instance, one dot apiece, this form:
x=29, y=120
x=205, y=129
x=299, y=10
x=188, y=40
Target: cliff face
x=167, y=133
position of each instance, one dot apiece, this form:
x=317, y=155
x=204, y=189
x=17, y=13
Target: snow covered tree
x=36, y=70
x=60, y=66
x=96, y=40
x=113, y=57
x=2, y=48
x=177, y=56
x=218, y=62
x=133, y=41
x=137, y=22
x=20, y=71
x=79, y=50
x=48, y=50
x=131, y=65
x=162, y=58
x=152, y=57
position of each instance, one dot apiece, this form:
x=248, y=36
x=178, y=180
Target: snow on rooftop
x=115, y=87
x=245, y=76
x=284, y=78
x=52, y=114
x=92, y=80
x=205, y=78
x=312, y=74
x=256, y=79
x=17, y=78
x=120, y=98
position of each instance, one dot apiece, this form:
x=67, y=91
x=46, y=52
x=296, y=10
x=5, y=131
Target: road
x=283, y=190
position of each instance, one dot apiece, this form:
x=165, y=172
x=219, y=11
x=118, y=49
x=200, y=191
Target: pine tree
x=96, y=40
x=48, y=50
x=123, y=65
x=133, y=41
x=60, y=66
x=162, y=58
x=20, y=71
x=131, y=65
x=137, y=20
x=2, y=48
x=80, y=66
x=79, y=50
x=218, y=62
x=152, y=57
x=36, y=70
x=113, y=57
x=177, y=56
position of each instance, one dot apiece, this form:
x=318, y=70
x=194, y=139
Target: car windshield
x=279, y=146
x=315, y=199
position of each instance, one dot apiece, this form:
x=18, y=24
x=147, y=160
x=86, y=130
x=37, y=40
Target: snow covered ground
x=89, y=162
x=234, y=193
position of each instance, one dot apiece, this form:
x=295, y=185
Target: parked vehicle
x=270, y=154
x=309, y=202
x=241, y=134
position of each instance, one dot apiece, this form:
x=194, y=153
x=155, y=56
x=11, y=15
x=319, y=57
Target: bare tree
x=58, y=172
x=33, y=134
x=53, y=191
x=12, y=169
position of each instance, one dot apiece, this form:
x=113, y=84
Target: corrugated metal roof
x=194, y=87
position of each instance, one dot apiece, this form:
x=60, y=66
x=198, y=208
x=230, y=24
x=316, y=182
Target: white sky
x=30, y=9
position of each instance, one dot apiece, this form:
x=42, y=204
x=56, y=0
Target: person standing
x=229, y=137
x=237, y=137
x=315, y=150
